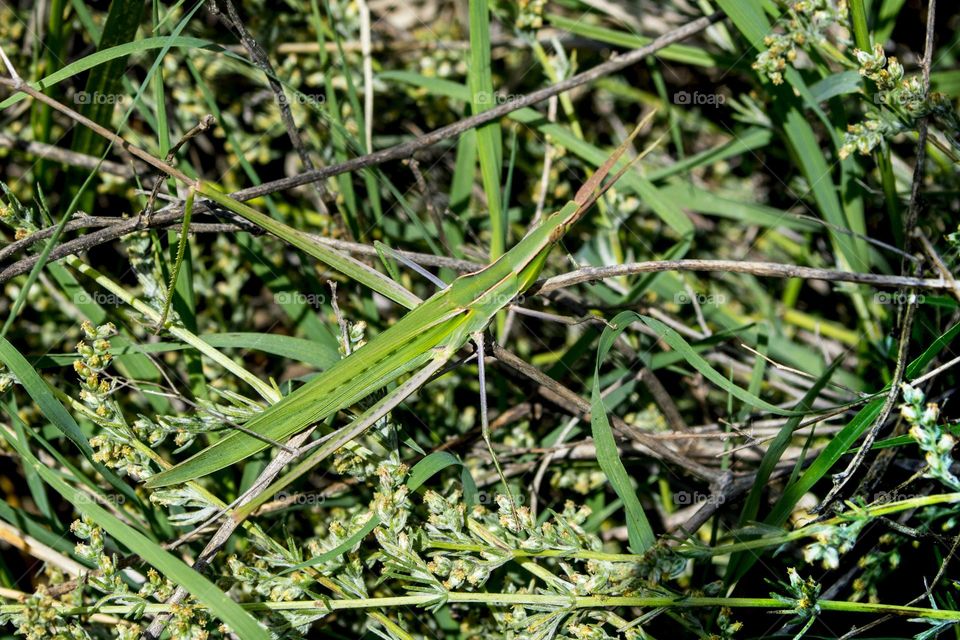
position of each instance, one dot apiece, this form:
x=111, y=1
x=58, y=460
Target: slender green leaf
x=114, y=53
x=220, y=604
x=844, y=439
x=489, y=144
x=608, y=456
x=678, y=344
x=43, y=396
x=739, y=563
x=684, y=54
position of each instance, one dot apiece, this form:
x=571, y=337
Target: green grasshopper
x=426, y=338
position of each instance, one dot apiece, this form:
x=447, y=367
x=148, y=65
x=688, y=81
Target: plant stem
x=503, y=599
x=815, y=529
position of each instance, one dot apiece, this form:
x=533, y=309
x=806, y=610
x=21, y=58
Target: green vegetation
x=522, y=320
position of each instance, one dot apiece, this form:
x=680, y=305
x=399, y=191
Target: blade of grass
x=684, y=54
x=740, y=562
x=676, y=341
x=489, y=145
x=339, y=261
x=121, y=25
x=299, y=349
x=221, y=605
x=119, y=51
x=639, y=531
x=858, y=17
x=41, y=115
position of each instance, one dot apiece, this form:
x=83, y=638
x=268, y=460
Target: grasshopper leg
x=384, y=252
x=485, y=423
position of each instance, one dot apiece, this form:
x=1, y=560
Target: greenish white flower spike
x=935, y=442
x=805, y=23
x=904, y=99
x=835, y=540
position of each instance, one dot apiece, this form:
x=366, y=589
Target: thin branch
x=72, y=158
x=763, y=269
x=576, y=405
x=407, y=149
x=168, y=217
x=260, y=59
x=100, y=130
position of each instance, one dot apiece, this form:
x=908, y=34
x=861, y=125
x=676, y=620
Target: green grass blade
x=678, y=344
x=749, y=18
x=684, y=54
x=858, y=16
x=34, y=482
x=178, y=260
x=739, y=563
x=847, y=436
x=331, y=257
x=463, y=171
x=489, y=145
x=43, y=396
x=310, y=352
x=749, y=213
x=639, y=531
x=122, y=23
x=752, y=138
x=207, y=593
x=836, y=84
x=115, y=53
x=818, y=174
